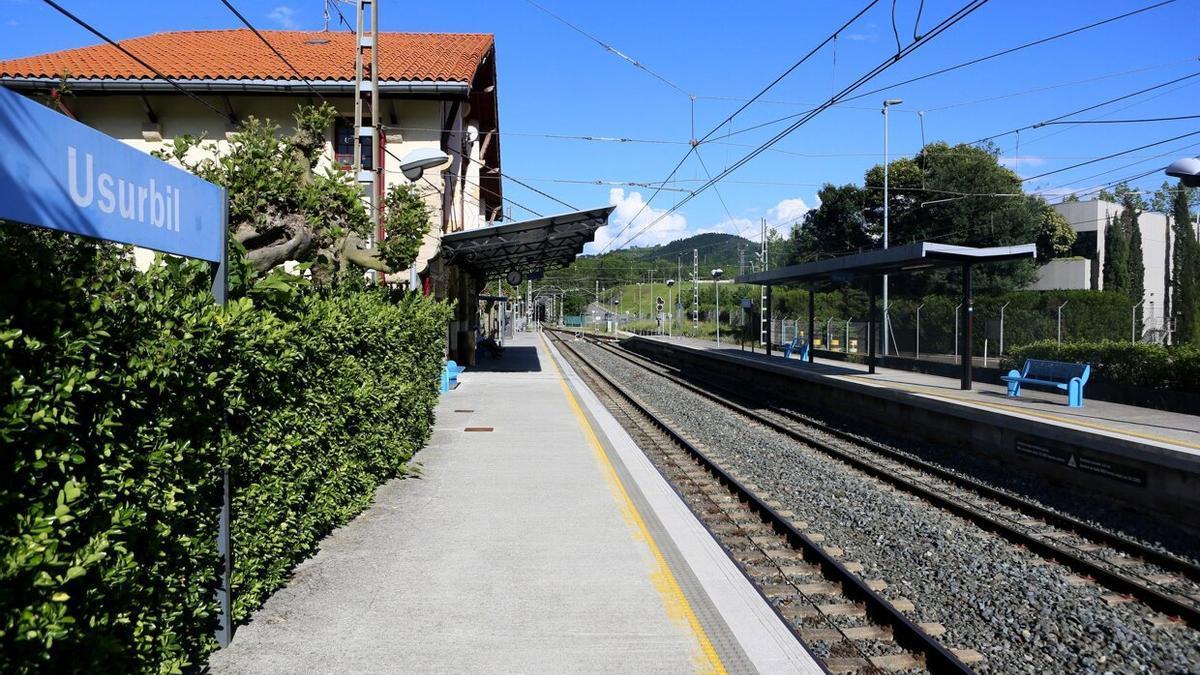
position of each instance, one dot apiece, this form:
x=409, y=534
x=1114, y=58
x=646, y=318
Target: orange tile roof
x=240, y=55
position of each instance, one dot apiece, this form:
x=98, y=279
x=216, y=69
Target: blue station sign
x=60, y=174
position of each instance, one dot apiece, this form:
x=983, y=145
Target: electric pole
x=370, y=179
x=764, y=331
x=695, y=292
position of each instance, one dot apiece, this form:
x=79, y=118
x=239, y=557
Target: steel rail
x=938, y=658
x=1121, y=582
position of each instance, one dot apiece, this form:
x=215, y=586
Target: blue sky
x=555, y=81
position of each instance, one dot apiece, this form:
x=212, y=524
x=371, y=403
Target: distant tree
x=1136, y=261
x=836, y=227
x=1132, y=205
x=1116, y=256
x=1185, y=289
x=1070, y=198
x=1160, y=202
x=1105, y=195
x=1055, y=236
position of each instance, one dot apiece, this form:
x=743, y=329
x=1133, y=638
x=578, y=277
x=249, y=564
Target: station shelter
x=873, y=265
x=513, y=252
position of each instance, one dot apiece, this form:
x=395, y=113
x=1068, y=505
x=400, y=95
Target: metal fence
x=932, y=330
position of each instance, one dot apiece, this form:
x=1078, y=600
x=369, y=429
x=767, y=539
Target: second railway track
x=1132, y=572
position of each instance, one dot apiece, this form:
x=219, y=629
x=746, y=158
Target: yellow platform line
x=664, y=581
x=1065, y=419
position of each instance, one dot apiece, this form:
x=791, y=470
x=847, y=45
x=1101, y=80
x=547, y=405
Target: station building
x=437, y=90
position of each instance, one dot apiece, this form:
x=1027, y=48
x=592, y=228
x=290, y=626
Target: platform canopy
x=906, y=258
x=526, y=246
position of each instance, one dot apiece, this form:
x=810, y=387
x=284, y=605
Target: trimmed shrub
x=1139, y=365
x=122, y=395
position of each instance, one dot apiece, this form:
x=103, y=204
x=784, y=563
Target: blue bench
x=793, y=346
x=450, y=373
x=1069, y=377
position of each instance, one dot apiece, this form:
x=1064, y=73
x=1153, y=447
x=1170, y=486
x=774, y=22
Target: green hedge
x=1138, y=365
x=113, y=386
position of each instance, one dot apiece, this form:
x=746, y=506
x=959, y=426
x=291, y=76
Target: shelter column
x=968, y=311
x=766, y=310
x=812, y=321
x=871, y=282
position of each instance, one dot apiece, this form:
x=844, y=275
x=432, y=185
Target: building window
x=343, y=143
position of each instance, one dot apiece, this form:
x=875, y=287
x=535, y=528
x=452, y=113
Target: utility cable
x=270, y=46
x=764, y=90
x=976, y=60
x=1110, y=156
x=88, y=27
x=1134, y=121
x=950, y=21
x=610, y=49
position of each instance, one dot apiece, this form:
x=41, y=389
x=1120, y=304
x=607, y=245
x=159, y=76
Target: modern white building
x=1084, y=269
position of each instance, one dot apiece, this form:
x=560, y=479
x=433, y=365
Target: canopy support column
x=812, y=321
x=968, y=311
x=871, y=282
x=766, y=311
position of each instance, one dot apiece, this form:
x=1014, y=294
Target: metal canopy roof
x=906, y=258
x=527, y=246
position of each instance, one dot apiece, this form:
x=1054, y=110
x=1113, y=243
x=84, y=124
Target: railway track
x=843, y=618
x=1132, y=570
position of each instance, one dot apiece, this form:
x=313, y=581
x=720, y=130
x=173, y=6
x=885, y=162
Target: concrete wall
x=1092, y=216
x=1064, y=274
x=411, y=124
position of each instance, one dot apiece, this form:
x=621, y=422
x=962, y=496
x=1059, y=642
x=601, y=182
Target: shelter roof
x=526, y=246
x=905, y=258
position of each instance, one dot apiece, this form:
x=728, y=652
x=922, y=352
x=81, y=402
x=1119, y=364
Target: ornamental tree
x=282, y=207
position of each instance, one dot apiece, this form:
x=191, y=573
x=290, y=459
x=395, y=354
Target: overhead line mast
x=367, y=94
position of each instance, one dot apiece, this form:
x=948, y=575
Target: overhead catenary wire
x=91, y=29
x=1110, y=156
x=945, y=24
x=610, y=49
x=976, y=60
x=696, y=142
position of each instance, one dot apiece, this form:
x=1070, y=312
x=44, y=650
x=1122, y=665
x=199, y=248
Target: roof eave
x=264, y=86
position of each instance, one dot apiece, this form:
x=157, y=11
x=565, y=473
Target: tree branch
x=353, y=251
x=267, y=257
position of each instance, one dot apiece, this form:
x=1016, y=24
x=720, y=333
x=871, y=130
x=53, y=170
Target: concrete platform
x=537, y=538
x=1139, y=455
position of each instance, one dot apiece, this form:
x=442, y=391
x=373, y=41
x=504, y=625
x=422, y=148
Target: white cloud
x=1012, y=161
x=285, y=17
x=630, y=207
x=780, y=218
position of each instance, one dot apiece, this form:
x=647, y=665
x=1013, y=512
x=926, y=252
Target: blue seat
x=793, y=346
x=1068, y=377
x=450, y=373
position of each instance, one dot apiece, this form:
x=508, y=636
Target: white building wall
x=1064, y=274
x=1093, y=216
x=409, y=124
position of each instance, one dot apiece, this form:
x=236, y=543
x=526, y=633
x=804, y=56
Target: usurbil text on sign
x=63, y=175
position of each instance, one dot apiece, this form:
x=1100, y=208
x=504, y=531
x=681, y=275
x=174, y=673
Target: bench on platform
x=450, y=373
x=1069, y=377
x=795, y=345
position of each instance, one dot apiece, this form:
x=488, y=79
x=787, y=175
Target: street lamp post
x=670, y=310
x=1002, y=308
x=886, y=104
x=1064, y=304
x=716, y=274
x=919, y=330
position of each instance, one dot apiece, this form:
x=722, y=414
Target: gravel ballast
x=1023, y=614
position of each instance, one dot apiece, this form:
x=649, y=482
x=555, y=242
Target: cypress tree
x=1136, y=260
x=1186, y=285
x=1116, y=257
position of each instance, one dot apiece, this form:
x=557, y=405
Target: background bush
x=1139, y=365
x=113, y=388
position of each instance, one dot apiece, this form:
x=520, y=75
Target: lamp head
x=670, y=282
x=414, y=163
x=892, y=101
x=1186, y=170
x=717, y=272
